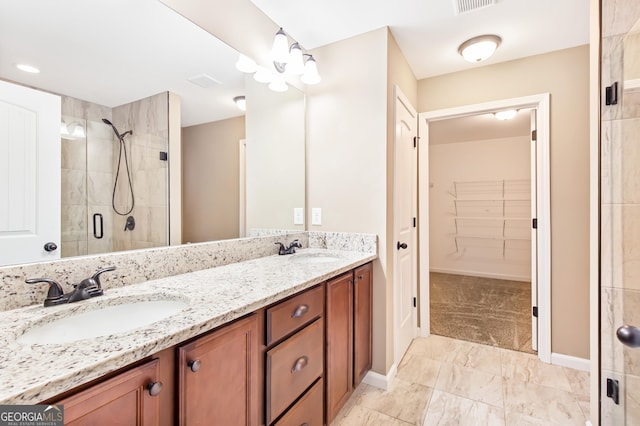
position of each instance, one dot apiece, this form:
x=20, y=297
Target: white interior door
x=29, y=175
x=534, y=233
x=405, y=222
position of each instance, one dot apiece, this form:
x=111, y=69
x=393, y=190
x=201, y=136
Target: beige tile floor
x=442, y=381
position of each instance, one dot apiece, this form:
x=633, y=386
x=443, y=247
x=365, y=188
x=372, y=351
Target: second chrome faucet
x=288, y=250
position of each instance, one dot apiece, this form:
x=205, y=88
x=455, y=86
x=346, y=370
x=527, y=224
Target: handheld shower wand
x=123, y=147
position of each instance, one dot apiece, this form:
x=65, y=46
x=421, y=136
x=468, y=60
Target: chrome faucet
x=87, y=288
x=288, y=250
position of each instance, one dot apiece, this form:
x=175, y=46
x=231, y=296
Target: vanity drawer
x=307, y=411
x=290, y=315
x=293, y=366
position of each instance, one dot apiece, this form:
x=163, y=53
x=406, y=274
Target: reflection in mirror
x=145, y=69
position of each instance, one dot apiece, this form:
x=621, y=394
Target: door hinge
x=534, y=135
x=415, y=302
x=415, y=222
x=613, y=390
x=611, y=94
x=164, y=156
x=534, y=311
x=534, y=223
x=415, y=141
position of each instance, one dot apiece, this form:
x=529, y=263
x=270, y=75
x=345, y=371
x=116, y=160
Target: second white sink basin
x=102, y=321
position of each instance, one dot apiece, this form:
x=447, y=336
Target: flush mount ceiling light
x=241, y=102
x=506, y=114
x=479, y=48
x=28, y=68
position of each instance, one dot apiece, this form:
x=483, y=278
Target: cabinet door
x=218, y=377
x=362, y=304
x=339, y=332
x=122, y=400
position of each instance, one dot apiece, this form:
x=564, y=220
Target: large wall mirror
x=129, y=74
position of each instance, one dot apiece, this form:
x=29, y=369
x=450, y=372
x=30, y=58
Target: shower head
x=120, y=136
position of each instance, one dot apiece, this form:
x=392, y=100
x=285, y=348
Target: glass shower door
x=620, y=215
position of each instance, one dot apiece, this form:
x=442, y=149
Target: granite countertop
x=30, y=373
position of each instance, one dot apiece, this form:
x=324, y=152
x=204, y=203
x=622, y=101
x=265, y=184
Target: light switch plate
x=316, y=216
x=298, y=216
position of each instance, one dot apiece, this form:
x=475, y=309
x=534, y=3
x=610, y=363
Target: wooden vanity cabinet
x=348, y=334
x=129, y=398
x=218, y=376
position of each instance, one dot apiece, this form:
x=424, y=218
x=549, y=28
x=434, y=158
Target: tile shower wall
x=149, y=120
x=620, y=207
x=86, y=178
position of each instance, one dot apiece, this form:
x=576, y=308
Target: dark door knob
x=402, y=245
x=194, y=365
x=154, y=388
x=629, y=335
x=50, y=246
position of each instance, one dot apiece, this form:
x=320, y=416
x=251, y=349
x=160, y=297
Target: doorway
x=480, y=189
x=498, y=190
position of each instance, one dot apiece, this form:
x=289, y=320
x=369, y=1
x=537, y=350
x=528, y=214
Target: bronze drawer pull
x=305, y=424
x=300, y=311
x=300, y=363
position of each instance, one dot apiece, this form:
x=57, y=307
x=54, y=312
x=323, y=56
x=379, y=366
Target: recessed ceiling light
x=28, y=68
x=506, y=114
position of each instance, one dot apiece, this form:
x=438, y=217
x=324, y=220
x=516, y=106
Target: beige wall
x=564, y=74
x=210, y=180
x=346, y=156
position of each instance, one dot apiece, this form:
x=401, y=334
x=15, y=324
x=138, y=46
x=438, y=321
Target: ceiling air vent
x=204, y=80
x=465, y=6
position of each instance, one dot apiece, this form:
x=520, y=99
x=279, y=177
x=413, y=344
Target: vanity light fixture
x=310, y=75
x=278, y=84
x=292, y=59
x=263, y=75
x=77, y=131
x=479, y=48
x=506, y=114
x=28, y=68
x=241, y=102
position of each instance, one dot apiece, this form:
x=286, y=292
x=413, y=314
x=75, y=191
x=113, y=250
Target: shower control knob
x=50, y=246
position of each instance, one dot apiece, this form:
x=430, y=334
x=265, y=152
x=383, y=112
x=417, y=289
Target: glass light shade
x=280, y=49
x=246, y=64
x=241, y=102
x=295, y=64
x=506, y=115
x=310, y=75
x=278, y=85
x=263, y=75
x=78, y=132
x=479, y=48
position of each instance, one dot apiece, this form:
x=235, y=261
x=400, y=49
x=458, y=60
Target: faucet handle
x=282, y=249
x=55, y=289
x=96, y=276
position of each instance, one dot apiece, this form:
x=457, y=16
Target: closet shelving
x=492, y=212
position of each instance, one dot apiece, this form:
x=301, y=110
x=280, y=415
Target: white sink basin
x=102, y=321
x=314, y=258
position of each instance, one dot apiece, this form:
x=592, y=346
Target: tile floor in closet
x=443, y=381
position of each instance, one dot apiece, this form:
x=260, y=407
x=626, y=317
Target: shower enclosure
x=90, y=152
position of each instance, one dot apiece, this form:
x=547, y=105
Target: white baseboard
x=570, y=362
x=378, y=380
x=482, y=274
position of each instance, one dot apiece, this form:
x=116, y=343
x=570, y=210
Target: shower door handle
x=97, y=222
x=629, y=336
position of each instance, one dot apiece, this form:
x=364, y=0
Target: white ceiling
x=112, y=52
x=428, y=31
